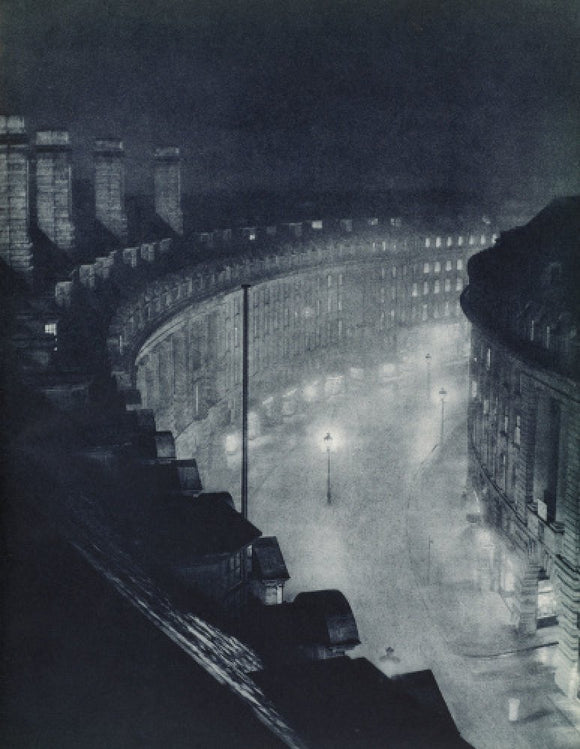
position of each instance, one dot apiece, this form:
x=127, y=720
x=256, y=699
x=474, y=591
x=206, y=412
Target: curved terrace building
x=524, y=421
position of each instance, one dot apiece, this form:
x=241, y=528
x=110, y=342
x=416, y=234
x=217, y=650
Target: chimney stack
x=109, y=158
x=54, y=187
x=167, y=177
x=15, y=244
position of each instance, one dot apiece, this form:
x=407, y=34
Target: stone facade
x=524, y=424
x=167, y=182
x=109, y=156
x=54, y=187
x=15, y=244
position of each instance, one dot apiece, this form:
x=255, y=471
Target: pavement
x=396, y=541
x=475, y=621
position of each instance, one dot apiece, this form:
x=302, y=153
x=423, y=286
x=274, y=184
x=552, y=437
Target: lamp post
x=328, y=445
x=442, y=393
x=428, y=360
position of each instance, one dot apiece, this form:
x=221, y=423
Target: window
x=447, y=284
x=427, y=242
x=532, y=330
x=460, y=241
x=548, y=336
x=459, y=263
x=394, y=271
x=340, y=279
x=482, y=239
x=474, y=388
x=415, y=291
x=449, y=241
x=448, y=265
x=506, y=419
x=437, y=267
x=471, y=239
x=425, y=288
x=425, y=313
x=50, y=328
x=426, y=268
x=446, y=309
x=436, y=286
x=518, y=430
x=438, y=242
x=329, y=281
x=458, y=284
x=488, y=359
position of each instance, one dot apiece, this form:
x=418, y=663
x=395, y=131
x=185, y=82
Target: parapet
x=167, y=153
x=109, y=147
x=12, y=125
x=52, y=139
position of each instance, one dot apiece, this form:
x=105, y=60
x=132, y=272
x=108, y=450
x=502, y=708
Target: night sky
x=479, y=96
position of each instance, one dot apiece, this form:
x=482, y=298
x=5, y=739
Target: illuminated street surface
x=393, y=541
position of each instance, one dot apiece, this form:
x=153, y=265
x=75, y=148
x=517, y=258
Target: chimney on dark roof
x=15, y=244
x=109, y=156
x=167, y=179
x=54, y=187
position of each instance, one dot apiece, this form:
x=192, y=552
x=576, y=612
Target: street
x=394, y=539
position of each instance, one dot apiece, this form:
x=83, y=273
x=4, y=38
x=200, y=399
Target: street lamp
x=428, y=360
x=442, y=393
x=328, y=445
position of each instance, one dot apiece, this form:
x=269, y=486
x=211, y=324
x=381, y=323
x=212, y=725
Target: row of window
x=437, y=286
x=472, y=240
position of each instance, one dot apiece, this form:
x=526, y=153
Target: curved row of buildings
x=158, y=313
x=524, y=421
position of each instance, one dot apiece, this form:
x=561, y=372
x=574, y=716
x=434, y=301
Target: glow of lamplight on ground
x=310, y=392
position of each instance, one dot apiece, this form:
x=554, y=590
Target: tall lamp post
x=428, y=360
x=328, y=445
x=442, y=393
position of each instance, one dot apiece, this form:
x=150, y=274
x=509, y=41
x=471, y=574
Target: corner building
x=524, y=422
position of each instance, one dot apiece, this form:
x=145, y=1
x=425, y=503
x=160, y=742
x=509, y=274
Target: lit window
x=426, y=268
x=447, y=284
x=471, y=239
x=427, y=242
x=448, y=265
x=436, y=287
x=425, y=288
x=460, y=241
x=459, y=264
x=438, y=242
x=50, y=328
x=482, y=239
x=488, y=359
x=437, y=267
x=474, y=388
x=449, y=241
